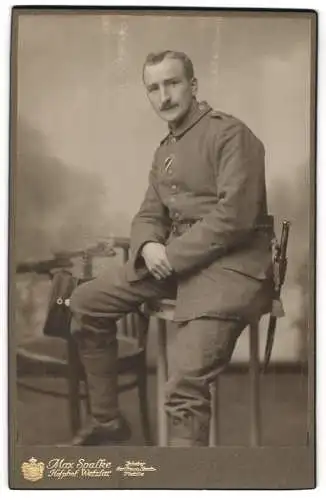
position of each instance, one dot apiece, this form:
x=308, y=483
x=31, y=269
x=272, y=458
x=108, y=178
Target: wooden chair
x=33, y=357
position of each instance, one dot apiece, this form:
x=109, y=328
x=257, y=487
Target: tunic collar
x=196, y=112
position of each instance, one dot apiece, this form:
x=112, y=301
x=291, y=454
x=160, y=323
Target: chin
x=170, y=117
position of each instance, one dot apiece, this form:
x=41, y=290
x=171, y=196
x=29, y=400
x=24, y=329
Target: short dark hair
x=157, y=57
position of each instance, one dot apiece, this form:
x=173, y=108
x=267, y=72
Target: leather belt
x=266, y=224
x=179, y=227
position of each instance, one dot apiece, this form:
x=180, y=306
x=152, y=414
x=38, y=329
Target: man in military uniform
x=203, y=235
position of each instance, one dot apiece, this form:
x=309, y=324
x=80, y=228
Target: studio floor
x=43, y=419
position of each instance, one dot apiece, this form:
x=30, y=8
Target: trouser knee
x=81, y=299
x=87, y=317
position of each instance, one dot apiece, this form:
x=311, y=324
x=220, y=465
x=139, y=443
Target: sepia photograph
x=162, y=248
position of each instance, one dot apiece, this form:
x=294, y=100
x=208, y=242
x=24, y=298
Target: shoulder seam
x=220, y=114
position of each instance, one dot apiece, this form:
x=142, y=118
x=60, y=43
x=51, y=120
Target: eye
x=152, y=88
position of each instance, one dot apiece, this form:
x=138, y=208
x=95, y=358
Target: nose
x=164, y=95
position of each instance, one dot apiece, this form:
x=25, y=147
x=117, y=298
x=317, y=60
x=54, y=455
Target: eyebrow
x=168, y=80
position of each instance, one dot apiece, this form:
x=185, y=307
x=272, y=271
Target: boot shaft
x=99, y=359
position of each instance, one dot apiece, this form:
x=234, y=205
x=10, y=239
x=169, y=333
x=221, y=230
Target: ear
x=194, y=86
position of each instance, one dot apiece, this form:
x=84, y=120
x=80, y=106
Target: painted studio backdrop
x=86, y=133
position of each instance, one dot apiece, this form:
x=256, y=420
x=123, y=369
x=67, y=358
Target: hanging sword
x=279, y=265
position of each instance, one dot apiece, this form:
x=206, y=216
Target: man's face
x=169, y=90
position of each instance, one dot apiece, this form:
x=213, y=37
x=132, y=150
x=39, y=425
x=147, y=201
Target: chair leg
x=214, y=421
x=162, y=373
x=255, y=410
x=143, y=402
x=73, y=386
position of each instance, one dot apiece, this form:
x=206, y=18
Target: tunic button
x=173, y=139
x=174, y=188
x=177, y=216
x=172, y=199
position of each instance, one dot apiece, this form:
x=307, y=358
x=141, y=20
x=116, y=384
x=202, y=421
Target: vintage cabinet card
x=89, y=120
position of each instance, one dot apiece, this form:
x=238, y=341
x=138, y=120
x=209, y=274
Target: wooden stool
x=163, y=310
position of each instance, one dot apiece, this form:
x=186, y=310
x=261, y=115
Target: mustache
x=167, y=106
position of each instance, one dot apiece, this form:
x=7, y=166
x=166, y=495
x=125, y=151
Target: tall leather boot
x=187, y=431
x=99, y=358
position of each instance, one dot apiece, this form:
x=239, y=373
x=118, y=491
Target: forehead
x=164, y=70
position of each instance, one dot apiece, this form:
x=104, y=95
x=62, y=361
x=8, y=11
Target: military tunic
x=206, y=201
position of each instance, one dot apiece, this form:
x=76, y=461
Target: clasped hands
x=154, y=255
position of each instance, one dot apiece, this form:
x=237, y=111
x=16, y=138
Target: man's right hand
x=156, y=260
